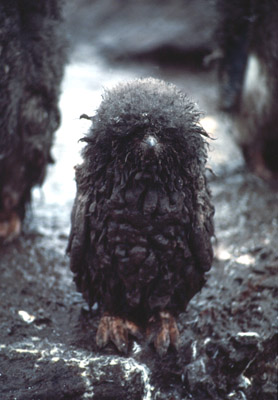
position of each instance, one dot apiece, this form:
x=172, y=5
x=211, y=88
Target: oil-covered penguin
x=142, y=219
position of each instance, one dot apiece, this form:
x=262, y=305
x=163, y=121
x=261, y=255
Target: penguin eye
x=132, y=134
x=136, y=131
x=170, y=136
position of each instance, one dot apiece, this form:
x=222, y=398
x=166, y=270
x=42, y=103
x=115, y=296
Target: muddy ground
x=229, y=330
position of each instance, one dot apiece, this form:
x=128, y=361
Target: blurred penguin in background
x=247, y=35
x=32, y=58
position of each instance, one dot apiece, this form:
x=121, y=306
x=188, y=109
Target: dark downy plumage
x=142, y=220
x=32, y=58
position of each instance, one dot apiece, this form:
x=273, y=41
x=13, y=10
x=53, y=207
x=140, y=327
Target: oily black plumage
x=142, y=218
x=32, y=58
x=247, y=34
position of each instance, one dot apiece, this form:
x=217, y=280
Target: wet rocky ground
x=229, y=330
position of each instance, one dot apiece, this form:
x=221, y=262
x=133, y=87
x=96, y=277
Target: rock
x=124, y=30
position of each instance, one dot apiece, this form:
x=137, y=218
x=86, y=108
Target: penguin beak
x=150, y=140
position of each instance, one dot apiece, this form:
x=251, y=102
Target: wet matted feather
x=143, y=219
